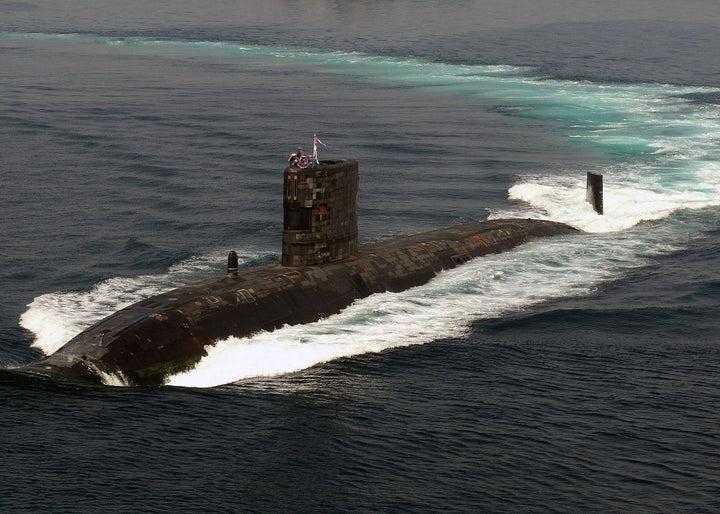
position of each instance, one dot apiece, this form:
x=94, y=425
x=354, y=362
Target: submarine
x=322, y=270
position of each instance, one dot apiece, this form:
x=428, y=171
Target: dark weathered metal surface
x=168, y=333
x=320, y=205
x=594, y=192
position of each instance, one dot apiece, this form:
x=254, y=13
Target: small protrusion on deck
x=232, y=263
x=594, y=191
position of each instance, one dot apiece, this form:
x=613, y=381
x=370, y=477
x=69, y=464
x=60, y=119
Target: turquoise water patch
x=621, y=120
x=662, y=140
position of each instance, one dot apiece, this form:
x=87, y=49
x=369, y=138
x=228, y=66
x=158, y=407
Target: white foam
x=57, y=317
x=633, y=193
x=486, y=287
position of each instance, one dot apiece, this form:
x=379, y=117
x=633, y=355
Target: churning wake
x=662, y=146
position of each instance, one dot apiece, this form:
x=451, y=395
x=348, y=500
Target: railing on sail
x=301, y=160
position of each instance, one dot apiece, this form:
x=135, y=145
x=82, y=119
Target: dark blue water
x=142, y=141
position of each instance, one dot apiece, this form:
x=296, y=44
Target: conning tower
x=320, y=203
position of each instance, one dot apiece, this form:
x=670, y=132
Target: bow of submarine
x=142, y=342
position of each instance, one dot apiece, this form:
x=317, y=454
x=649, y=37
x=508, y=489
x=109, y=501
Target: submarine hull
x=168, y=333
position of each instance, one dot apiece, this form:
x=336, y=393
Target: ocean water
x=144, y=140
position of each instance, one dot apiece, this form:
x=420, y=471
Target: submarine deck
x=169, y=332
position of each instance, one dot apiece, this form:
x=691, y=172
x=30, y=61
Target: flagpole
x=315, y=147
x=315, y=155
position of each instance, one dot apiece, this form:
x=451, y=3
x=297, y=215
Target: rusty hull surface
x=154, y=338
